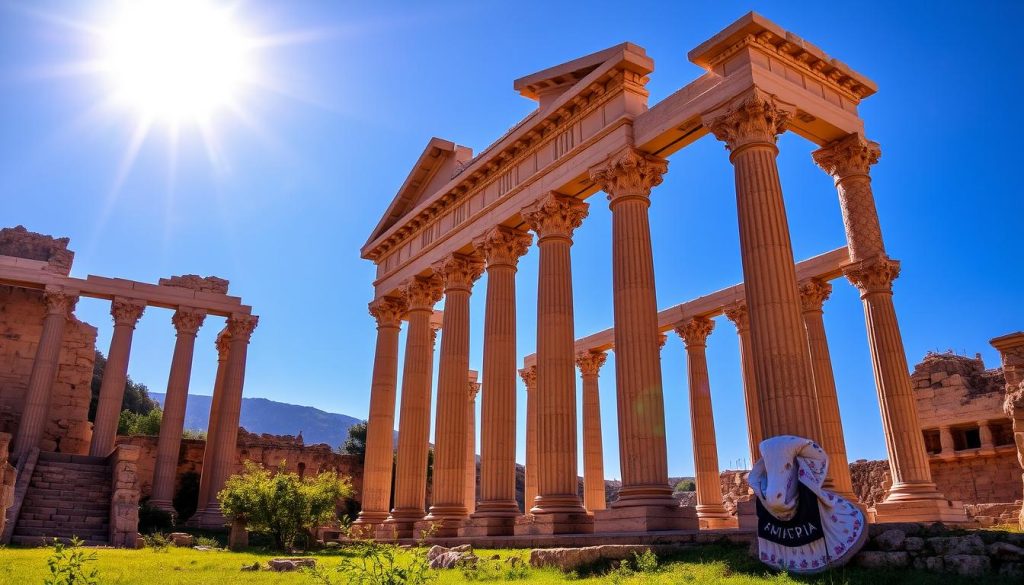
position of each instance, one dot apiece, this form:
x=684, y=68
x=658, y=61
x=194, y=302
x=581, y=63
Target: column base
x=370, y=519
x=945, y=511
x=714, y=517
x=164, y=505
x=488, y=526
x=437, y=527
x=645, y=495
x=746, y=514
x=645, y=519
x=551, y=523
x=209, y=517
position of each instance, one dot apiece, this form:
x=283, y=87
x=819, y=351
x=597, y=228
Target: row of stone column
x=126, y=313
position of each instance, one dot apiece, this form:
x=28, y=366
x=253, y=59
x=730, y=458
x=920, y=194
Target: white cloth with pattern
x=788, y=535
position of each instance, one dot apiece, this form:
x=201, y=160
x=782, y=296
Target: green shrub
x=68, y=565
x=157, y=541
x=282, y=504
x=207, y=541
x=685, y=485
x=132, y=423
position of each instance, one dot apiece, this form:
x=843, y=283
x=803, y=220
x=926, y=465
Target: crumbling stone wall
x=870, y=480
x=8, y=476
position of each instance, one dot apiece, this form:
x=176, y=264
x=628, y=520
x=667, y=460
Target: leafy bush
x=207, y=542
x=644, y=563
x=374, y=563
x=157, y=541
x=68, y=565
x=152, y=520
x=132, y=423
x=495, y=569
x=194, y=434
x=686, y=485
x=282, y=504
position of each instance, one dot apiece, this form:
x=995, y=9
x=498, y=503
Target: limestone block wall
x=21, y=318
x=8, y=477
x=979, y=480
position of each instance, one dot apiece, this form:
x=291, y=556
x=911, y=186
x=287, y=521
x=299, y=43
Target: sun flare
x=175, y=60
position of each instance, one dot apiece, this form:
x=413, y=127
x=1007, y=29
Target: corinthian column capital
x=501, y=245
x=589, y=362
x=388, y=311
x=529, y=376
x=60, y=302
x=127, y=311
x=474, y=389
x=187, y=320
x=813, y=294
x=873, y=275
x=850, y=155
x=241, y=326
x=695, y=331
x=223, y=344
x=422, y=292
x=629, y=173
x=555, y=215
x=737, y=313
x=756, y=117
x=459, y=271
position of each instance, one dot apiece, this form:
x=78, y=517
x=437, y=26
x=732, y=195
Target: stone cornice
x=503, y=246
x=629, y=173
x=852, y=155
x=555, y=215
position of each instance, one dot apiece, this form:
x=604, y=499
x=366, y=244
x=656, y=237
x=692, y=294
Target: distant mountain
x=260, y=415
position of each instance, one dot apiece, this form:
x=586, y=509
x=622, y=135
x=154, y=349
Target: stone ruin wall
x=269, y=451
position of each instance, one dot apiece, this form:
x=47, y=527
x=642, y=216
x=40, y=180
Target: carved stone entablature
x=21, y=243
x=852, y=155
x=814, y=293
x=555, y=215
x=590, y=362
x=695, y=331
x=755, y=117
x=210, y=284
x=629, y=173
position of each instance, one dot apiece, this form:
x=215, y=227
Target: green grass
x=714, y=564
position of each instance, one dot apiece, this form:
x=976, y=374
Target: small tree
x=355, y=444
x=131, y=423
x=686, y=485
x=281, y=503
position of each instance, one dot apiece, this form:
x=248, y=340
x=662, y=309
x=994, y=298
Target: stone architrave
x=529, y=376
x=60, y=305
x=421, y=294
x=627, y=177
x=240, y=328
x=473, y=389
x=495, y=514
x=1011, y=351
x=187, y=322
x=749, y=125
x=380, y=427
x=448, y=509
x=710, y=511
x=737, y=313
x=557, y=508
x=589, y=364
x=126, y=314
x=813, y=294
x=913, y=496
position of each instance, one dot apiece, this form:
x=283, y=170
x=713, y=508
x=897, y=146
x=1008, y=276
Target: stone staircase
x=69, y=495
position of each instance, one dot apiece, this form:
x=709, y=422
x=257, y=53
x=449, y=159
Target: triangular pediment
x=435, y=167
x=544, y=86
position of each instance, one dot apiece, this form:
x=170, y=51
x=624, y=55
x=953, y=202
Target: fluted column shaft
x=813, y=294
x=590, y=363
x=529, y=376
x=502, y=248
x=126, y=313
x=778, y=339
x=739, y=316
x=414, y=414
x=695, y=332
x=628, y=177
x=240, y=327
x=187, y=322
x=60, y=304
x=470, y=487
x=448, y=506
x=223, y=345
x=848, y=161
x=376, y=496
x=554, y=218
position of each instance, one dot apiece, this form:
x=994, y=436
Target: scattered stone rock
x=181, y=539
x=253, y=567
x=440, y=557
x=969, y=545
x=967, y=565
x=876, y=559
x=891, y=540
x=1005, y=551
x=571, y=559
x=933, y=564
x=913, y=544
x=293, y=564
x=203, y=548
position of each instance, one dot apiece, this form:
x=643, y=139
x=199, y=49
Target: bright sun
x=175, y=60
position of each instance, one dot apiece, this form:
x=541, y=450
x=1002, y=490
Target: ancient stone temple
x=72, y=479
x=458, y=215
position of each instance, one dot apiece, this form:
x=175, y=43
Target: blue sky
x=282, y=204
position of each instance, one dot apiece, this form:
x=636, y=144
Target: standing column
x=1011, y=353
x=495, y=515
x=710, y=510
x=223, y=345
x=946, y=442
x=380, y=427
x=470, y=487
x=737, y=313
x=421, y=293
x=529, y=376
x=589, y=363
x=240, y=328
x=813, y=294
x=448, y=508
x=60, y=304
x=557, y=508
x=985, y=434
x=913, y=496
x=126, y=313
x=627, y=177
x=749, y=126
x=187, y=322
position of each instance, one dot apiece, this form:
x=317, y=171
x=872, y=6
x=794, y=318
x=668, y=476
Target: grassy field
x=710, y=565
